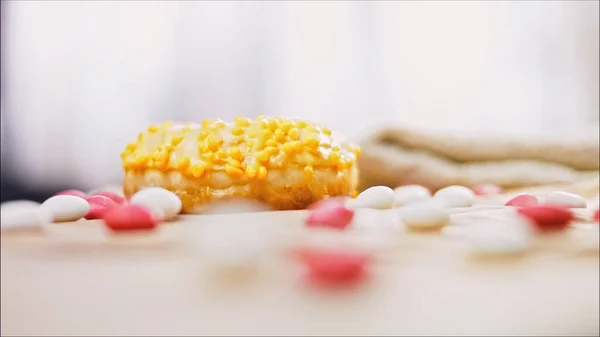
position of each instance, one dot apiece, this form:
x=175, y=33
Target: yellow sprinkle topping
x=237, y=131
x=262, y=173
x=235, y=153
x=251, y=172
x=198, y=169
x=242, y=121
x=245, y=149
x=293, y=134
x=233, y=171
x=153, y=129
x=183, y=163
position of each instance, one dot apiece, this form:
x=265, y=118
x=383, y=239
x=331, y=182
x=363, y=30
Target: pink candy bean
x=487, y=189
x=548, y=218
x=99, y=206
x=337, y=217
x=113, y=196
x=129, y=218
x=523, y=200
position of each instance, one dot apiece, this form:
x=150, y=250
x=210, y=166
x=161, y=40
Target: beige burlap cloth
x=398, y=156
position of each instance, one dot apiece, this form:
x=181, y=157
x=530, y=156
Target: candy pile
x=143, y=211
x=512, y=232
x=340, y=237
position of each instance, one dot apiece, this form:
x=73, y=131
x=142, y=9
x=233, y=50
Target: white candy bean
x=378, y=197
x=159, y=201
x=497, y=238
x=404, y=195
x=455, y=196
x=22, y=215
x=565, y=199
x=19, y=203
x=425, y=215
x=66, y=208
x=234, y=246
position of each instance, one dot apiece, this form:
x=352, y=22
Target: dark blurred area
x=14, y=191
x=10, y=187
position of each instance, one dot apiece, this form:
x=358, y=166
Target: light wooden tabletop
x=76, y=280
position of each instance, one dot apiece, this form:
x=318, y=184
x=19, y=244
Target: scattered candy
x=430, y=215
x=66, y=207
x=523, y=200
x=404, y=195
x=113, y=196
x=548, y=218
x=22, y=215
x=378, y=197
x=455, y=196
x=129, y=218
x=487, y=189
x=565, y=199
x=76, y=193
x=99, y=206
x=161, y=202
x=335, y=267
x=336, y=217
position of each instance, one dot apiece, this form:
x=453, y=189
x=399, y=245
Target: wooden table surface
x=77, y=280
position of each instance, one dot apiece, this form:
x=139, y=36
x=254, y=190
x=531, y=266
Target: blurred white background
x=80, y=79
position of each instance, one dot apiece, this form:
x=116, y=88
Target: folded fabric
x=398, y=156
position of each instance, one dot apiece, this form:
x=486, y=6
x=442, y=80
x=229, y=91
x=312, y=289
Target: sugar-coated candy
x=22, y=215
x=404, y=195
x=523, y=200
x=565, y=199
x=335, y=266
x=455, y=196
x=499, y=238
x=378, y=197
x=129, y=218
x=425, y=216
x=487, y=189
x=548, y=218
x=113, y=196
x=159, y=201
x=66, y=207
x=99, y=206
x=330, y=216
